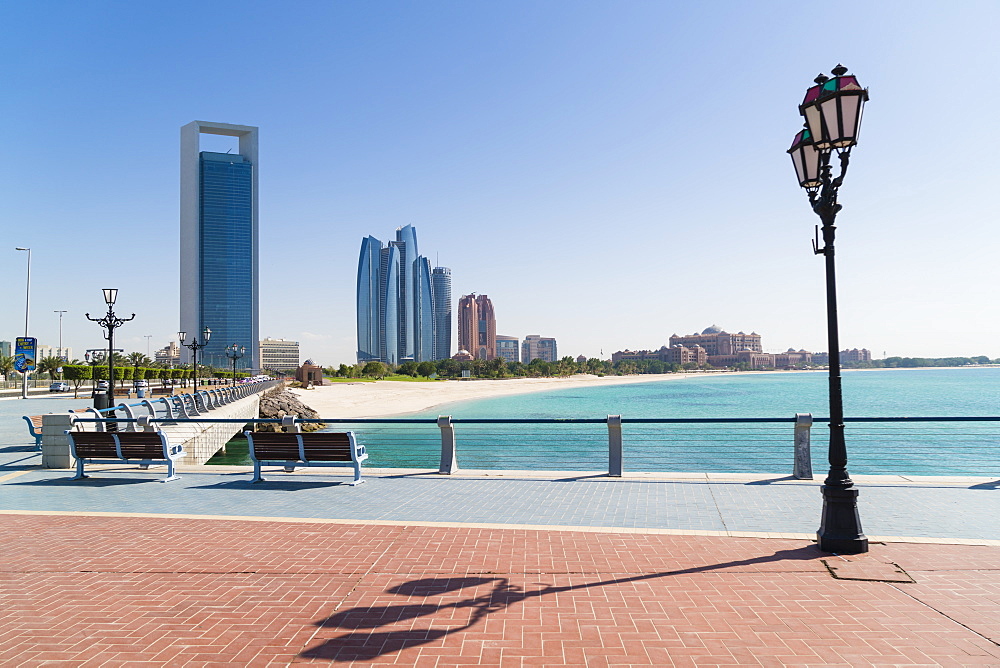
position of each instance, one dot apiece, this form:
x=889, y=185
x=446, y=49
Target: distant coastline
x=386, y=398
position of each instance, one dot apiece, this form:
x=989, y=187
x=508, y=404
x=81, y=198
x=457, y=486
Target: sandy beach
x=390, y=398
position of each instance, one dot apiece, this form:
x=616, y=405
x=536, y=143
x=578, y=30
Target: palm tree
x=6, y=365
x=138, y=360
x=49, y=365
x=498, y=365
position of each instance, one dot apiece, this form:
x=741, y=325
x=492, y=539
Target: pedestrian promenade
x=486, y=568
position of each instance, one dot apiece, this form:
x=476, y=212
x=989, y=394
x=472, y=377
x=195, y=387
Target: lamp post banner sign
x=25, y=351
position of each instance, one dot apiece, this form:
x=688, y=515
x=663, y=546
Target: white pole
x=27, y=308
x=60, y=334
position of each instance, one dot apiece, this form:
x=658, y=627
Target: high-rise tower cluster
x=403, y=314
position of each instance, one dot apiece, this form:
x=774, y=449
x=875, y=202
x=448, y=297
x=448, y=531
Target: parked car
x=102, y=385
x=142, y=383
x=59, y=387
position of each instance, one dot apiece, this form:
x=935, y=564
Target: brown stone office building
x=477, y=326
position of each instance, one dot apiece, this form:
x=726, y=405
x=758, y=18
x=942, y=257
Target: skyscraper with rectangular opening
x=219, y=243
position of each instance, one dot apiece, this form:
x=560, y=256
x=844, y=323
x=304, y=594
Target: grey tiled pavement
x=954, y=509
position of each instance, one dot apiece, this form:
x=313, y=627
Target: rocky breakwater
x=279, y=403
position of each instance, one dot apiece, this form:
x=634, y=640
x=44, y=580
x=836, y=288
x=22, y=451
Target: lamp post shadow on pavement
x=832, y=111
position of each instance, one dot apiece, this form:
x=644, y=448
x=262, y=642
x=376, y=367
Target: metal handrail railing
x=642, y=442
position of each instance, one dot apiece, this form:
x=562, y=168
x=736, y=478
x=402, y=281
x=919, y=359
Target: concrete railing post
x=98, y=426
x=615, y=446
x=145, y=403
x=145, y=422
x=449, y=457
x=803, y=458
x=129, y=426
x=170, y=410
x=289, y=425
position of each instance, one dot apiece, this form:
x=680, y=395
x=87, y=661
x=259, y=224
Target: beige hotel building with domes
x=718, y=348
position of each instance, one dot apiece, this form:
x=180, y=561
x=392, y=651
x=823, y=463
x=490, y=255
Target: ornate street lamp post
x=832, y=111
x=194, y=347
x=234, y=353
x=110, y=322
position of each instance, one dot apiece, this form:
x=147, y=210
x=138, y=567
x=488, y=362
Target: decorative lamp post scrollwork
x=194, y=347
x=832, y=112
x=110, y=322
x=234, y=353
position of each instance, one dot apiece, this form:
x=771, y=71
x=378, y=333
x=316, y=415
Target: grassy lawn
x=408, y=379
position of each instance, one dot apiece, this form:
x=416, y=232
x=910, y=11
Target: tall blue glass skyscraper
x=423, y=311
x=441, y=299
x=394, y=301
x=219, y=243
x=369, y=300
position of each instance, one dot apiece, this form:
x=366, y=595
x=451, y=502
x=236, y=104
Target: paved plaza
x=484, y=568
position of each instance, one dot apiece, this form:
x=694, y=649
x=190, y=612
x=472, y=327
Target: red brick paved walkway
x=140, y=591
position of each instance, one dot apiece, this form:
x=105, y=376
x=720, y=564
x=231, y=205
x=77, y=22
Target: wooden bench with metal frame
x=144, y=448
x=291, y=449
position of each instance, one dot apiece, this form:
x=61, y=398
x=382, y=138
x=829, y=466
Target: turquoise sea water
x=867, y=393
x=912, y=448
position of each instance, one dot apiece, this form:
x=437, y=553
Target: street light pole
x=27, y=308
x=194, y=347
x=832, y=111
x=234, y=353
x=110, y=322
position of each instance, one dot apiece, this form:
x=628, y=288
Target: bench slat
x=94, y=445
x=319, y=448
x=140, y=445
x=326, y=447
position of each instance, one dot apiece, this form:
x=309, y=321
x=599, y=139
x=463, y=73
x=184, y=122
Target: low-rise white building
x=279, y=355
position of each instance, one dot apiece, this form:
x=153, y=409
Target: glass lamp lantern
x=207, y=333
x=110, y=296
x=832, y=109
x=181, y=336
x=806, y=160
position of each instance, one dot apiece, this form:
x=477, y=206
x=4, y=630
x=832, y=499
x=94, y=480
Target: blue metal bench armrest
x=34, y=431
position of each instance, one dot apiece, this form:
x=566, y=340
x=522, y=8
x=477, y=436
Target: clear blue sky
x=609, y=173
